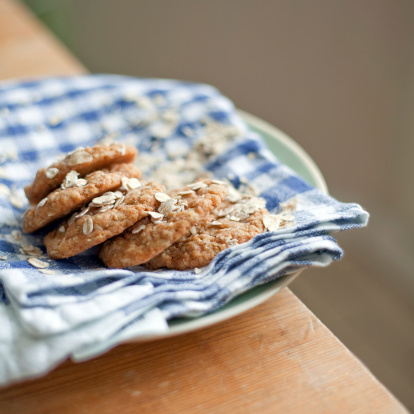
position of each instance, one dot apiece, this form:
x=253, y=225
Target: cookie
x=176, y=216
x=74, y=193
x=214, y=234
x=106, y=216
x=83, y=161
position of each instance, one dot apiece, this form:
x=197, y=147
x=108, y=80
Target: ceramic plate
x=291, y=154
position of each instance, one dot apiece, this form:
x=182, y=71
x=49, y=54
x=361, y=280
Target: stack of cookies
x=98, y=193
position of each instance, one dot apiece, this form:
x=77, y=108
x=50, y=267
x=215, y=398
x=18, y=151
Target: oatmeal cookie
x=208, y=239
x=176, y=216
x=76, y=192
x=106, y=216
x=83, y=161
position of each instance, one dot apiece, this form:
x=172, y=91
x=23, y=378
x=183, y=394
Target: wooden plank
x=27, y=49
x=275, y=358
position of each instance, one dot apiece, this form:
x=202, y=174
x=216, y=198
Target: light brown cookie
x=176, y=216
x=76, y=192
x=214, y=234
x=83, y=161
x=106, y=216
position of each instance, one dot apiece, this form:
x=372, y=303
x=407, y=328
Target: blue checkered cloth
x=84, y=309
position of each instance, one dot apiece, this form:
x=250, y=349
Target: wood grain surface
x=27, y=49
x=277, y=357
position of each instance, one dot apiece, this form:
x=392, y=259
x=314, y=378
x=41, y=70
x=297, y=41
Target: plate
x=294, y=156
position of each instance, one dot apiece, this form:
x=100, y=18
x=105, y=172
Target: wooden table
x=277, y=357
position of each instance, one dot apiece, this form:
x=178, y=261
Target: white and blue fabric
x=84, y=309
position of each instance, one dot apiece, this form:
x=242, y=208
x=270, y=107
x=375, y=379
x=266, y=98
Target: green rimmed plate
x=291, y=154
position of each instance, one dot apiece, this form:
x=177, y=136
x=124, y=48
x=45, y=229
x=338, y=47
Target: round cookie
x=83, y=161
x=75, y=193
x=208, y=239
x=106, y=216
x=148, y=238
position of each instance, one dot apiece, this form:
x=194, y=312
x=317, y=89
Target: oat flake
x=130, y=183
x=232, y=242
x=197, y=186
x=16, y=234
x=162, y=197
x=70, y=180
x=105, y=199
x=47, y=271
x=155, y=215
x=37, y=263
x=271, y=222
x=4, y=190
x=16, y=201
x=134, y=183
x=42, y=202
x=138, y=229
x=30, y=250
x=81, y=182
x=122, y=148
x=119, y=201
x=79, y=157
x=72, y=219
x=87, y=226
x=166, y=206
x=51, y=172
x=3, y=173
x=55, y=120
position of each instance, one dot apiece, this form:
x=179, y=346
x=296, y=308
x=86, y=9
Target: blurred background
x=338, y=77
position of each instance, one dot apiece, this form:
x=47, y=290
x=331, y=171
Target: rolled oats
x=51, y=172
x=37, y=263
x=87, y=226
x=79, y=157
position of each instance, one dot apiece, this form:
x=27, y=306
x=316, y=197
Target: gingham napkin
x=84, y=309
